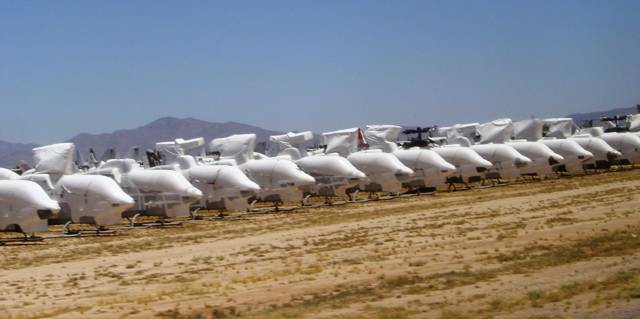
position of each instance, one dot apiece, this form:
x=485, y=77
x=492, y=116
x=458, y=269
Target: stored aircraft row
x=229, y=175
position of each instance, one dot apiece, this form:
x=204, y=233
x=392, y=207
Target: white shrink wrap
x=603, y=154
x=25, y=207
x=239, y=147
x=343, y=142
x=497, y=131
x=470, y=166
x=54, y=159
x=574, y=155
x=560, y=127
x=507, y=162
x=543, y=159
x=530, y=129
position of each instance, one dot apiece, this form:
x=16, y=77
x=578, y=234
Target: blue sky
x=96, y=66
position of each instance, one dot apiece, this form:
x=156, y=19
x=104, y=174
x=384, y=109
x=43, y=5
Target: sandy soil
x=559, y=248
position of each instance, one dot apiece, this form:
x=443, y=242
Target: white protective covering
x=44, y=180
x=385, y=172
x=430, y=169
x=626, y=143
x=454, y=133
x=507, y=162
x=603, y=153
x=90, y=199
x=633, y=122
x=56, y=159
x=224, y=187
x=574, y=155
x=596, y=131
x=560, y=127
x=470, y=166
x=171, y=150
x=289, y=142
x=7, y=174
x=156, y=192
x=530, y=130
x=280, y=180
x=343, y=142
x=334, y=174
x=87, y=199
x=497, y=131
x=238, y=147
x=383, y=137
x=25, y=207
x=543, y=159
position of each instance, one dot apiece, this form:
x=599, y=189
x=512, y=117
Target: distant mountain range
x=12, y=153
x=170, y=128
x=163, y=129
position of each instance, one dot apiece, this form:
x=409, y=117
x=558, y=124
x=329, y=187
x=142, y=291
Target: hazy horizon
x=88, y=67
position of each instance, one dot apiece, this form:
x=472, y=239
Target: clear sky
x=96, y=66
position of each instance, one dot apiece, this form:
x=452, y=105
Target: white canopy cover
x=530, y=130
x=20, y=202
x=239, y=147
x=343, y=142
x=468, y=131
x=171, y=150
x=497, y=131
x=383, y=137
x=633, y=122
x=54, y=159
x=560, y=127
x=280, y=143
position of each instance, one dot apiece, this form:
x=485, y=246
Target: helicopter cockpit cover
x=171, y=150
x=279, y=143
x=530, y=130
x=468, y=131
x=238, y=147
x=497, y=131
x=54, y=159
x=383, y=136
x=560, y=127
x=343, y=142
x=633, y=121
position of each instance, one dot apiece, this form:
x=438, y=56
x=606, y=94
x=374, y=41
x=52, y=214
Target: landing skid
x=158, y=223
x=97, y=231
x=26, y=239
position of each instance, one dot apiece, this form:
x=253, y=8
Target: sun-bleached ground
x=559, y=248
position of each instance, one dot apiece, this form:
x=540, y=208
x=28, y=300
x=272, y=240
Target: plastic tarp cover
x=54, y=159
x=596, y=131
x=468, y=131
x=633, y=121
x=279, y=143
x=383, y=137
x=530, y=130
x=559, y=127
x=497, y=131
x=343, y=142
x=173, y=149
x=240, y=147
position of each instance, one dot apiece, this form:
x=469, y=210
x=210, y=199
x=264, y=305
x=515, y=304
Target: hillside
x=163, y=129
x=12, y=153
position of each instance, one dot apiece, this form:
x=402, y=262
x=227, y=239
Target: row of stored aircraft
x=229, y=175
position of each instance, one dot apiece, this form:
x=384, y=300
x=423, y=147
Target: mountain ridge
x=145, y=136
x=169, y=128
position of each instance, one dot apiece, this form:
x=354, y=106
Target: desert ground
x=560, y=248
